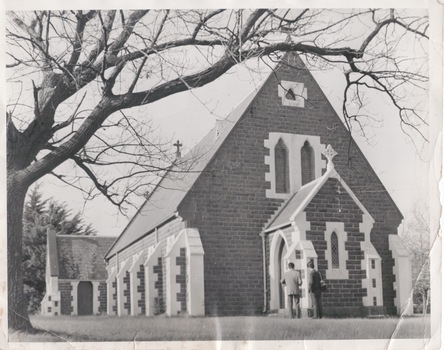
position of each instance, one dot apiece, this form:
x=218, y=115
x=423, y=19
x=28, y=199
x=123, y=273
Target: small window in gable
x=307, y=163
x=334, y=251
x=290, y=95
x=281, y=167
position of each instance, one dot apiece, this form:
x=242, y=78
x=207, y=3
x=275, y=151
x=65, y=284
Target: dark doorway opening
x=85, y=298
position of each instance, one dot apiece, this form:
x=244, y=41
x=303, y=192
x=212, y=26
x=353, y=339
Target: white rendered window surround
x=340, y=272
x=294, y=143
x=278, y=237
x=293, y=94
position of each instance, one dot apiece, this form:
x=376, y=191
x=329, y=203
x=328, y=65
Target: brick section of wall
x=141, y=288
x=127, y=292
x=159, y=283
x=65, y=289
x=115, y=296
x=325, y=207
x=228, y=204
x=102, y=297
x=181, y=279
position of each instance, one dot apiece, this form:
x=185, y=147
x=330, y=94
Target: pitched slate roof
x=282, y=216
x=299, y=201
x=163, y=202
x=78, y=257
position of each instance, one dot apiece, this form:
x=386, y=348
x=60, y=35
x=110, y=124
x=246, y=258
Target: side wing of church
x=278, y=181
x=75, y=275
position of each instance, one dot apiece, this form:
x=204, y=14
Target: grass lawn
x=104, y=328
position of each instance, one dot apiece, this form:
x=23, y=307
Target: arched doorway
x=281, y=265
x=85, y=298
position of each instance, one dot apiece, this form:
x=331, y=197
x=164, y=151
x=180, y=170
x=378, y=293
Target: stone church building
x=278, y=181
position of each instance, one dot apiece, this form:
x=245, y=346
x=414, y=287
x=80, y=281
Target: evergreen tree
x=37, y=216
x=34, y=249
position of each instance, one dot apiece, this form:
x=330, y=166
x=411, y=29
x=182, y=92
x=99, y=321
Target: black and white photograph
x=200, y=176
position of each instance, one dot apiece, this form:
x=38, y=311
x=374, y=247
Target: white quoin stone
x=403, y=276
x=372, y=266
x=75, y=285
x=190, y=240
x=151, y=293
x=96, y=293
x=110, y=302
x=121, y=287
x=135, y=309
x=51, y=298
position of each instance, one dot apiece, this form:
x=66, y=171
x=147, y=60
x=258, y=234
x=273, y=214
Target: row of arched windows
x=282, y=171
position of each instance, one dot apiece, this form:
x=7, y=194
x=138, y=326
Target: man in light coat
x=292, y=281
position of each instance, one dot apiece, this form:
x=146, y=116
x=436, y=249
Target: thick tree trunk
x=17, y=306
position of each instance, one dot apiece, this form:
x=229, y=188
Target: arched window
x=307, y=163
x=334, y=251
x=281, y=167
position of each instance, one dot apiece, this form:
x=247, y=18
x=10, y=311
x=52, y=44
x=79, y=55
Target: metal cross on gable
x=178, y=145
x=329, y=153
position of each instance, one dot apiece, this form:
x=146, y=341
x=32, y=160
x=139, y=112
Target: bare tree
x=76, y=74
x=416, y=236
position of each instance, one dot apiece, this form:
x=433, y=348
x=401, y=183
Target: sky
x=401, y=165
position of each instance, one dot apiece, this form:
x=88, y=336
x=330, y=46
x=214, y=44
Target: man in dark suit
x=314, y=288
x=292, y=280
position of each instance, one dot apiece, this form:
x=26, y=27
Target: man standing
x=292, y=280
x=314, y=288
